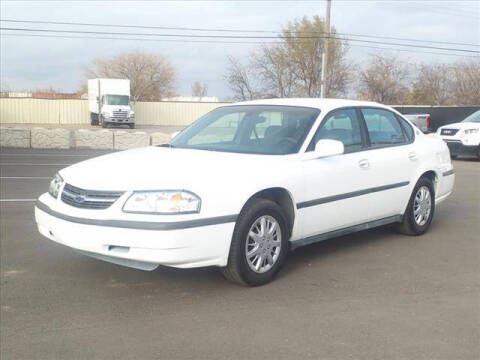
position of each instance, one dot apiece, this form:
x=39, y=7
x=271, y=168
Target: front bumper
x=456, y=147
x=143, y=248
x=112, y=120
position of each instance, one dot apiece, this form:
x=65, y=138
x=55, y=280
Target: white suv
x=462, y=138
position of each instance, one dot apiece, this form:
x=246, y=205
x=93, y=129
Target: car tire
x=104, y=124
x=453, y=157
x=420, y=209
x=132, y=126
x=478, y=152
x=240, y=267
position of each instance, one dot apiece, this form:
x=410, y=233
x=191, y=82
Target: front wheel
x=102, y=120
x=419, y=213
x=259, y=244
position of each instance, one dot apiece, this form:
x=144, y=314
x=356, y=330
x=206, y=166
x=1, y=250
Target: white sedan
x=247, y=182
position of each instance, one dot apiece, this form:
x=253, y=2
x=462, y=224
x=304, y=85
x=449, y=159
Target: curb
x=59, y=138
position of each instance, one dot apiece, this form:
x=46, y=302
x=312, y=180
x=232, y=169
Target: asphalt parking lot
x=371, y=295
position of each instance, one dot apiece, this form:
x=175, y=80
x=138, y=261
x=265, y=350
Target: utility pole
x=323, y=88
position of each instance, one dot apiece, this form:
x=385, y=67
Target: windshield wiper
x=166, y=145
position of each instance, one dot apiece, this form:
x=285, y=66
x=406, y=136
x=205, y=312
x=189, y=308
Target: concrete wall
x=43, y=111
x=61, y=138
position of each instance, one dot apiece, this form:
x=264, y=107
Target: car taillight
x=429, y=122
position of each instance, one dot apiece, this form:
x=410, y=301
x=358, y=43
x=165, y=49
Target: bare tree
x=384, y=80
x=432, y=85
x=199, y=90
x=466, y=82
x=239, y=80
x=292, y=67
x=152, y=77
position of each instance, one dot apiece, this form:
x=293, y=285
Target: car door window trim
x=348, y=195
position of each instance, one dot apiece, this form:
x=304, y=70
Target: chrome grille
x=88, y=199
x=448, y=132
x=120, y=115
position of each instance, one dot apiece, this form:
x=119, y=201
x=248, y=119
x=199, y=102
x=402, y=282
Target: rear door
x=392, y=161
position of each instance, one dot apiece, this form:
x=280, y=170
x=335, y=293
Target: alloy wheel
x=263, y=245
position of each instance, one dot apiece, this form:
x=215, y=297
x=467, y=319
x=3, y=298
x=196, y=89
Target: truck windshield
x=254, y=129
x=116, y=99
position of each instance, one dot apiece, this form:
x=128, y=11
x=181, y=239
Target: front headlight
x=163, y=202
x=471, y=131
x=55, y=186
x=105, y=114
x=131, y=115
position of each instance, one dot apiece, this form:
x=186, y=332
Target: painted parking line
x=32, y=164
x=25, y=177
x=61, y=155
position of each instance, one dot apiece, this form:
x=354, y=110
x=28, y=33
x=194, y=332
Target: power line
x=221, y=42
x=151, y=40
x=245, y=1
x=236, y=37
x=229, y=30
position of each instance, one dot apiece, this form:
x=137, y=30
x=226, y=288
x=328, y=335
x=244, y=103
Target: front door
x=333, y=196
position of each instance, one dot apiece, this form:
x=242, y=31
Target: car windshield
x=117, y=99
x=475, y=117
x=253, y=129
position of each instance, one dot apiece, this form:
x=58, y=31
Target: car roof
x=317, y=103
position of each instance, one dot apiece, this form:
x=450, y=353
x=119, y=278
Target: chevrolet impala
x=248, y=182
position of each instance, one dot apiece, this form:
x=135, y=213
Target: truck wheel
x=132, y=126
x=420, y=209
x=259, y=244
x=102, y=120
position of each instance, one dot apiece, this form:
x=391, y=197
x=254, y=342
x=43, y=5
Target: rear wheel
x=259, y=244
x=421, y=207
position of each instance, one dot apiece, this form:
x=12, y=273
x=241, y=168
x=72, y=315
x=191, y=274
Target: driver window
x=341, y=125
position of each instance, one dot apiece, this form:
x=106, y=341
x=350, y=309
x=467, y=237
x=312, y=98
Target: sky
x=29, y=63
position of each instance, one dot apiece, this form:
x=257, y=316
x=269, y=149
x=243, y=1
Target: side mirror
x=327, y=147
x=174, y=134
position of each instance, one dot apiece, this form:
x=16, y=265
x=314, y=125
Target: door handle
x=412, y=156
x=364, y=164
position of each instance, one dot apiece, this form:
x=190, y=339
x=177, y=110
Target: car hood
x=154, y=168
x=462, y=126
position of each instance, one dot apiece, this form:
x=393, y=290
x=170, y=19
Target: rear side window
x=407, y=128
x=341, y=125
x=383, y=128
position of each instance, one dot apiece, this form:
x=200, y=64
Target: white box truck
x=109, y=102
